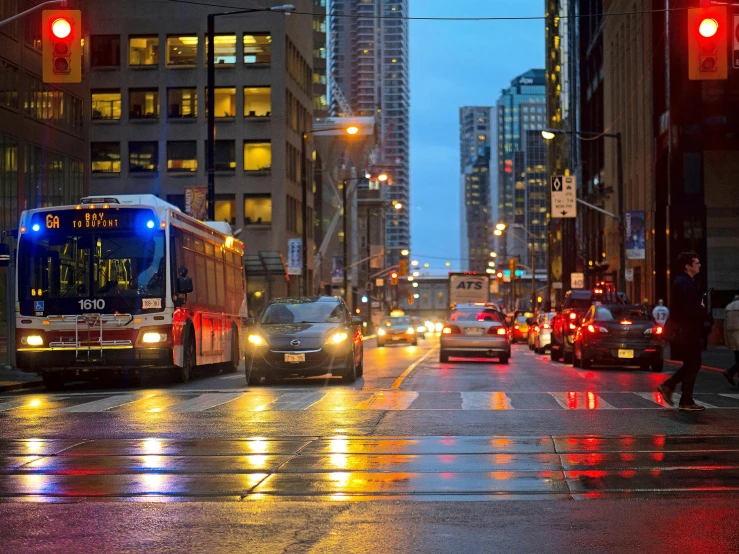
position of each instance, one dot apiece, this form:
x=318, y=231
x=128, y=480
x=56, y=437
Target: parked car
x=543, y=333
x=618, y=334
x=474, y=332
x=396, y=329
x=305, y=336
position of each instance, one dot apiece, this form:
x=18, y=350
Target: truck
x=466, y=288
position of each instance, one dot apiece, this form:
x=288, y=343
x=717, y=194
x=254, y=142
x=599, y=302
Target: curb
x=20, y=386
x=706, y=367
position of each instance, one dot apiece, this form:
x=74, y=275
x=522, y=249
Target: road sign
x=294, y=256
x=629, y=273
x=577, y=280
x=564, y=196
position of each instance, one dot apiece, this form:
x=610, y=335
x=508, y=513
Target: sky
x=455, y=64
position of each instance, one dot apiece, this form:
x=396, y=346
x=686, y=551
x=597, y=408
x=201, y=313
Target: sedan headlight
x=381, y=332
x=410, y=330
x=337, y=338
x=439, y=327
x=257, y=340
x=153, y=338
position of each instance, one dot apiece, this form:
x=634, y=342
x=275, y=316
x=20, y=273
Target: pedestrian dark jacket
x=686, y=308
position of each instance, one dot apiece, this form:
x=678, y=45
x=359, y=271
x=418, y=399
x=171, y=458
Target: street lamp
x=500, y=227
x=211, y=142
x=548, y=134
x=404, y=252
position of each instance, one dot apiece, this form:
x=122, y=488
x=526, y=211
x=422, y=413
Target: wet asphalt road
x=417, y=456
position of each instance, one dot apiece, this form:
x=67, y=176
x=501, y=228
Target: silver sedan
x=475, y=333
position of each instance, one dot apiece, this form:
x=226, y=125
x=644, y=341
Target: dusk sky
x=454, y=64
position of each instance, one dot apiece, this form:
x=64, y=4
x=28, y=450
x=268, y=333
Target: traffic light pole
x=33, y=9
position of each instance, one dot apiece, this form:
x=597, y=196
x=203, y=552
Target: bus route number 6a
x=89, y=304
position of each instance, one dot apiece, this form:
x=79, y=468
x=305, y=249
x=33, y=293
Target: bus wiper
x=73, y=282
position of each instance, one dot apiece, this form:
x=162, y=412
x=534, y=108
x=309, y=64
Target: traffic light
x=707, y=43
x=499, y=275
x=61, y=32
x=410, y=298
x=403, y=268
x=394, y=278
x=512, y=265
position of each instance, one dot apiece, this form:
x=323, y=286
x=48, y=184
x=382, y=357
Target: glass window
x=182, y=103
x=105, y=51
x=106, y=105
x=9, y=85
x=143, y=157
x=226, y=208
x=105, y=157
x=225, y=155
x=257, y=48
x=182, y=156
x=143, y=51
x=257, y=209
x=182, y=50
x=257, y=155
x=225, y=102
x=225, y=53
x=257, y=101
x=143, y=104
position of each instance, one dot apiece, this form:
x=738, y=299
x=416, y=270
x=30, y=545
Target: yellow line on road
x=413, y=366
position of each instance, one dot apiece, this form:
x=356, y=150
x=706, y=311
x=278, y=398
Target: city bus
x=121, y=284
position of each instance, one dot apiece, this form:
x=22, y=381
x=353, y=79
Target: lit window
x=143, y=104
x=257, y=48
x=105, y=157
x=182, y=103
x=225, y=102
x=106, y=105
x=143, y=51
x=257, y=155
x=143, y=157
x=182, y=156
x=182, y=50
x=225, y=52
x=226, y=208
x=257, y=101
x=257, y=209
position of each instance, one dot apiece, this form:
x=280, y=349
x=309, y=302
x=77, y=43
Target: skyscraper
x=369, y=65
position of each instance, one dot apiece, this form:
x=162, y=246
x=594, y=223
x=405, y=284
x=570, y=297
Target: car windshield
x=396, y=322
x=303, y=312
x=521, y=319
x=579, y=303
x=547, y=318
x=621, y=313
x=476, y=315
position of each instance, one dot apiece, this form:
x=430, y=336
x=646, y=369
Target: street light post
x=211, y=142
x=500, y=227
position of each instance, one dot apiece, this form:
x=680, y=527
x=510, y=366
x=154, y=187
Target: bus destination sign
x=90, y=219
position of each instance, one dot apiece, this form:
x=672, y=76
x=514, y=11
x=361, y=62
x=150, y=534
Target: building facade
x=148, y=122
x=370, y=68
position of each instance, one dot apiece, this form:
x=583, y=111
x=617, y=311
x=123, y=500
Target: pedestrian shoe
x=666, y=393
x=729, y=377
x=690, y=408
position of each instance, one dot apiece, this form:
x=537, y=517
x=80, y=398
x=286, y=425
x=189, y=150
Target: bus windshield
x=90, y=264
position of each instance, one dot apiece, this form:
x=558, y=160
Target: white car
x=475, y=332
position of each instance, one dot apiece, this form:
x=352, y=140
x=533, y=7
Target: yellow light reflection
x=339, y=461
x=153, y=446
x=338, y=446
x=153, y=462
x=253, y=479
x=339, y=478
x=35, y=403
x=154, y=482
x=258, y=446
x=34, y=446
x=34, y=484
x=256, y=460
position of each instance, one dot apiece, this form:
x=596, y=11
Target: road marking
x=293, y=401
x=655, y=397
x=581, y=401
x=399, y=380
x=203, y=402
x=478, y=400
x=12, y=405
x=395, y=400
x=102, y=404
x=234, y=376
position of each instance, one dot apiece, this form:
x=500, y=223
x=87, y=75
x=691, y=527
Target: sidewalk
x=13, y=379
x=716, y=358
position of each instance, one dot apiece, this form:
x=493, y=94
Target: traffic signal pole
x=33, y=9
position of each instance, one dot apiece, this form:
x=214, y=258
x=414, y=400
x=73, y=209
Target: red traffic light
x=61, y=28
x=393, y=275
x=708, y=27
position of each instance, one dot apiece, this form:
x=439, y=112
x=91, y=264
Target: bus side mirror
x=356, y=321
x=184, y=281
x=4, y=255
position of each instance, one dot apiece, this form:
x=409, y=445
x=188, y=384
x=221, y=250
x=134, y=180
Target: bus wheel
x=188, y=363
x=232, y=366
x=53, y=381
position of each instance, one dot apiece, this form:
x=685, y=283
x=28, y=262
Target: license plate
x=294, y=358
x=625, y=353
x=474, y=331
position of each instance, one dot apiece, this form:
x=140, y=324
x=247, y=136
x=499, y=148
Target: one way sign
x=564, y=196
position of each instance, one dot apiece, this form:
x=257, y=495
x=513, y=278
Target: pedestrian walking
x=660, y=313
x=686, y=317
x=731, y=336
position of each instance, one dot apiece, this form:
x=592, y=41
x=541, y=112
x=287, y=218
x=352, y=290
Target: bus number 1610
x=88, y=304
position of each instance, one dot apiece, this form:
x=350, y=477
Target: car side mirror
x=184, y=281
x=356, y=321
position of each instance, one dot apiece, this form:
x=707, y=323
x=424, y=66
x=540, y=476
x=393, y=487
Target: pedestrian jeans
x=690, y=351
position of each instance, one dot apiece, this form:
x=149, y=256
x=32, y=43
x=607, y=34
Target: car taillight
x=515, y=326
x=657, y=330
x=545, y=326
x=595, y=329
x=451, y=330
x=497, y=331
x=573, y=315
x=573, y=326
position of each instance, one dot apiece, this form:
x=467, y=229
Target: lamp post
x=499, y=228
x=351, y=130
x=211, y=142
x=549, y=134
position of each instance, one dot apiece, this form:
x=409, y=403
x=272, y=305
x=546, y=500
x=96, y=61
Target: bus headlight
x=153, y=338
x=381, y=332
x=33, y=340
x=337, y=338
x=256, y=340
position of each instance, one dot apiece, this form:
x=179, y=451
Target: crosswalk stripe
x=652, y=397
x=391, y=400
x=4, y=407
x=203, y=402
x=727, y=395
x=581, y=401
x=478, y=400
x=293, y=401
x=101, y=405
x=233, y=376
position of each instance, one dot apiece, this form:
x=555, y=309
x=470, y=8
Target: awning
x=265, y=264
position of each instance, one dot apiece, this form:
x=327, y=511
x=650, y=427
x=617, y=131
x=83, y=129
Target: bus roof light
x=150, y=224
x=36, y=227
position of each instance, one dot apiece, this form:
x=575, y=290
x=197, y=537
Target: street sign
x=294, y=256
x=577, y=280
x=564, y=196
x=629, y=273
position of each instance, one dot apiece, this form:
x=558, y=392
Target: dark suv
x=574, y=307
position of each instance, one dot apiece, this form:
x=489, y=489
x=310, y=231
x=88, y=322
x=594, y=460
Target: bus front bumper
x=46, y=361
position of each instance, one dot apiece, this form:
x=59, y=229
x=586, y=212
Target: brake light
x=573, y=326
x=626, y=322
x=497, y=331
x=594, y=329
x=451, y=330
x=654, y=331
x=515, y=326
x=591, y=328
x=546, y=326
x=573, y=315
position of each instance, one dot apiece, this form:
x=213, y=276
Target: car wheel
x=253, y=376
x=658, y=367
x=360, y=367
x=576, y=360
x=443, y=357
x=504, y=359
x=586, y=362
x=554, y=353
x=189, y=362
x=53, y=381
x=567, y=357
x=350, y=374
